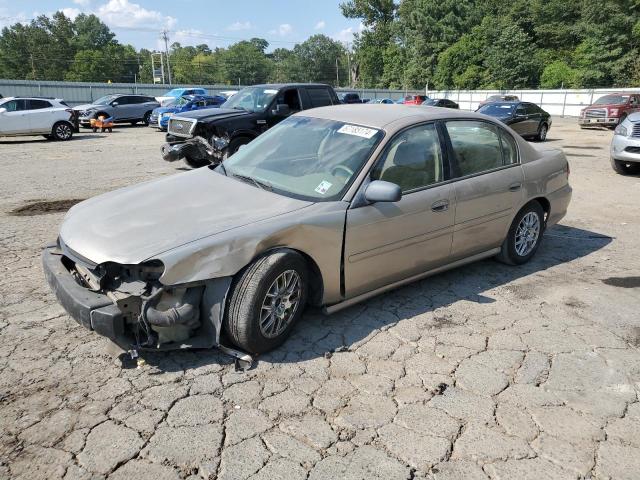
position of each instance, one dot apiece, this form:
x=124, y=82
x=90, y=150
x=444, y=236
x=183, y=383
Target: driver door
x=289, y=97
x=388, y=242
x=16, y=118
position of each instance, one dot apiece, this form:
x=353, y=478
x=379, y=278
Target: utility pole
x=337, y=74
x=165, y=37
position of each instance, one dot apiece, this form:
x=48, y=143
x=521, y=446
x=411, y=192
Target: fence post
x=90, y=94
x=564, y=103
x=471, y=100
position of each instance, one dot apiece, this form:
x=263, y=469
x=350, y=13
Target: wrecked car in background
x=328, y=208
x=207, y=137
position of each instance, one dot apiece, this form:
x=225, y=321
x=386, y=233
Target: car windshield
x=104, y=100
x=252, y=99
x=612, y=100
x=497, y=109
x=307, y=158
x=179, y=102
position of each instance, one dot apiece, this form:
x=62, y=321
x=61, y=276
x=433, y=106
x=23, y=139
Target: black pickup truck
x=209, y=136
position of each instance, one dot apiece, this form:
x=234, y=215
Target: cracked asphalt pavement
x=485, y=372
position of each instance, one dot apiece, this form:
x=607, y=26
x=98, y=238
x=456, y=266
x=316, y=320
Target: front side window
x=15, y=105
x=252, y=99
x=308, y=158
x=413, y=160
x=476, y=146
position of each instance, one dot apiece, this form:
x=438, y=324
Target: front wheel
x=62, y=131
x=625, y=168
x=234, y=146
x=145, y=119
x=524, y=235
x=195, y=162
x=267, y=298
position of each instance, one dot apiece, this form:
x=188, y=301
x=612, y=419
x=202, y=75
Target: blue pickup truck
x=160, y=116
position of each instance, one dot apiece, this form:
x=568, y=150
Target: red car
x=610, y=109
x=415, y=99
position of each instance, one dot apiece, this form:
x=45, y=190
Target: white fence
x=556, y=102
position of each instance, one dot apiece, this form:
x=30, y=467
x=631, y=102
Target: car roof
x=282, y=85
x=386, y=117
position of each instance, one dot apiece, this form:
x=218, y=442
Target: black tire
x=145, y=119
x=48, y=137
x=62, y=131
x=543, y=129
x=133, y=122
x=234, y=145
x=509, y=254
x=625, y=168
x=249, y=292
x=196, y=162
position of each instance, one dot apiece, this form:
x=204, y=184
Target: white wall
x=556, y=102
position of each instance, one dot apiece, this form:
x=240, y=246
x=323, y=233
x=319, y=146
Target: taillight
x=70, y=112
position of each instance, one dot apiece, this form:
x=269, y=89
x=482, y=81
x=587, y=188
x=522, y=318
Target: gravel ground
x=488, y=371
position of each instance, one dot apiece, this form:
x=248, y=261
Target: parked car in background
x=160, y=116
x=609, y=110
x=329, y=208
x=440, y=102
x=499, y=98
x=49, y=117
x=180, y=92
x=208, y=136
x=415, y=99
x=528, y=119
x=121, y=107
x=350, y=97
x=385, y=101
x=625, y=145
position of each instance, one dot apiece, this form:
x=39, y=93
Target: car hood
x=136, y=223
x=161, y=110
x=215, y=113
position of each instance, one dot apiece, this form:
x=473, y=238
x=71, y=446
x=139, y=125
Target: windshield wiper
x=257, y=183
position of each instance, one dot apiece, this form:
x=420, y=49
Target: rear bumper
x=92, y=310
x=559, y=201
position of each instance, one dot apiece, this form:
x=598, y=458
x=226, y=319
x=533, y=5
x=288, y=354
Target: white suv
x=36, y=116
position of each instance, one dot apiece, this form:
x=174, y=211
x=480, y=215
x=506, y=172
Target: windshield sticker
x=271, y=92
x=357, y=131
x=323, y=187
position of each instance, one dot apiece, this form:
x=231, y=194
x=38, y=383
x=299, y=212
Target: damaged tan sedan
x=328, y=208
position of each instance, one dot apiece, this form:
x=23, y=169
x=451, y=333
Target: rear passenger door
x=315, y=97
x=488, y=189
x=41, y=115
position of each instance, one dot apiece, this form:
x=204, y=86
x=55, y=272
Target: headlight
x=167, y=114
x=621, y=130
x=613, y=112
x=220, y=143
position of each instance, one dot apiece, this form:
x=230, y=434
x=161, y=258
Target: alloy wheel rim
x=527, y=234
x=280, y=304
x=543, y=133
x=63, y=131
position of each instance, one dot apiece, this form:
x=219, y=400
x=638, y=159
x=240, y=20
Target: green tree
x=321, y=59
x=245, y=63
x=558, y=74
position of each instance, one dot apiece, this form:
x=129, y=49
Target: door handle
x=515, y=187
x=440, y=206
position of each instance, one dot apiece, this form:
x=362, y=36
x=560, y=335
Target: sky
x=217, y=23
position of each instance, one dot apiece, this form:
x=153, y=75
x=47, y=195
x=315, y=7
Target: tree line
x=493, y=44
x=84, y=49
x=406, y=44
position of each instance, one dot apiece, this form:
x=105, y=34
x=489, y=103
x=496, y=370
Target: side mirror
x=114, y=104
x=381, y=191
x=281, y=110
x=194, y=106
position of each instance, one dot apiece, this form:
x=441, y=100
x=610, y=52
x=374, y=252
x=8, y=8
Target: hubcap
x=280, y=304
x=527, y=234
x=63, y=131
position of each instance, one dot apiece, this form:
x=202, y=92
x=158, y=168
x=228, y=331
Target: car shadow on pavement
x=317, y=335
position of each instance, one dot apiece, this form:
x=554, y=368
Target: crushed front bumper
x=196, y=148
x=92, y=310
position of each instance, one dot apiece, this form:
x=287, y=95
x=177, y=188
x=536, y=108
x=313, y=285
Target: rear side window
x=476, y=146
x=509, y=148
x=319, y=97
x=38, y=104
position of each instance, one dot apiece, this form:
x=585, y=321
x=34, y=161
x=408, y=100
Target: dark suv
x=209, y=136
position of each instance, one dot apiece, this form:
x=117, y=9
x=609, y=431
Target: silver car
x=121, y=107
x=328, y=208
x=625, y=146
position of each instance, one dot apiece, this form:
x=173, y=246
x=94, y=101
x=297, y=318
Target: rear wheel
x=266, y=300
x=62, y=131
x=524, y=235
x=625, y=168
x=542, y=132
